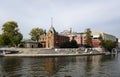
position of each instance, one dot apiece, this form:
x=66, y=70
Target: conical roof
x=53, y=30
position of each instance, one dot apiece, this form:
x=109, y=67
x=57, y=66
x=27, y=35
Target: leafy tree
x=17, y=39
x=74, y=44
x=88, y=38
x=10, y=27
x=35, y=33
x=101, y=40
x=66, y=45
x=70, y=44
x=107, y=44
x=4, y=39
x=11, y=32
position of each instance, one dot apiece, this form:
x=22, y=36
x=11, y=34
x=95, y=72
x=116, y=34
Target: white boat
x=2, y=52
x=107, y=53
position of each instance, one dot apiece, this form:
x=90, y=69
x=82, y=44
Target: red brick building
x=52, y=39
x=80, y=37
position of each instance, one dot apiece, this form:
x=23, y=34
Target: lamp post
x=81, y=38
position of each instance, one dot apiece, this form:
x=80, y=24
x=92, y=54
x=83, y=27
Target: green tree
x=10, y=27
x=4, y=40
x=88, y=38
x=11, y=31
x=73, y=44
x=70, y=44
x=107, y=44
x=101, y=40
x=17, y=39
x=35, y=33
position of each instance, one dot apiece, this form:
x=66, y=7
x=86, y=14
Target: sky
x=98, y=15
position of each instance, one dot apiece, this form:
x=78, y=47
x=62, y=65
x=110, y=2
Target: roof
x=53, y=30
x=28, y=41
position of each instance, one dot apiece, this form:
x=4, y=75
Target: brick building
x=52, y=39
x=80, y=37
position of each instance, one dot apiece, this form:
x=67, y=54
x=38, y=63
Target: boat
x=2, y=52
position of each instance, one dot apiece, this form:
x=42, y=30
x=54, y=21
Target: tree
x=11, y=32
x=101, y=40
x=88, y=38
x=10, y=27
x=107, y=44
x=70, y=44
x=67, y=44
x=74, y=44
x=4, y=39
x=35, y=33
x=17, y=39
x=100, y=37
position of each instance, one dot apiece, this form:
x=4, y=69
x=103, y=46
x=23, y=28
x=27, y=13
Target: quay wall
x=50, y=52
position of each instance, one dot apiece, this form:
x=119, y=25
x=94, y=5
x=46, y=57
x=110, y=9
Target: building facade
x=80, y=37
x=52, y=39
x=105, y=36
x=28, y=43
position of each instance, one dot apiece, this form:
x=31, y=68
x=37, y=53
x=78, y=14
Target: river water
x=79, y=66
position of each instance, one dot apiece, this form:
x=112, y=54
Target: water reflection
x=80, y=66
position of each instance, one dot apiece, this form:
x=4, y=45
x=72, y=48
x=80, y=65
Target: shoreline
x=44, y=52
x=49, y=55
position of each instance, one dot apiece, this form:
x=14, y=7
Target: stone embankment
x=53, y=52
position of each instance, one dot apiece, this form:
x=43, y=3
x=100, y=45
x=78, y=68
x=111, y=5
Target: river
x=79, y=66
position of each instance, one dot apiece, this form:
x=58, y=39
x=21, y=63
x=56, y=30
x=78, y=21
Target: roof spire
x=52, y=28
x=51, y=21
x=70, y=30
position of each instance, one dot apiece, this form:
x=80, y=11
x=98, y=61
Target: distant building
x=52, y=39
x=28, y=43
x=80, y=37
x=74, y=36
x=105, y=36
x=65, y=32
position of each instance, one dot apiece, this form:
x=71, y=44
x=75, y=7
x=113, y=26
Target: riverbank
x=50, y=55
x=53, y=52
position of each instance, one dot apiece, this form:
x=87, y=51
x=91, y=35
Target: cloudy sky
x=99, y=15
